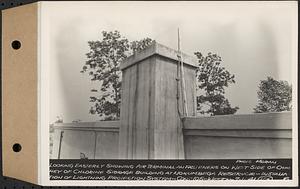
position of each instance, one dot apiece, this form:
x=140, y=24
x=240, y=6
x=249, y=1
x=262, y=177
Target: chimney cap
x=158, y=49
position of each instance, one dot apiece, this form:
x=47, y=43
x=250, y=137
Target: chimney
x=151, y=124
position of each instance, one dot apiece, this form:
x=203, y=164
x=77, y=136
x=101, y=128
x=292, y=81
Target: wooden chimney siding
x=150, y=124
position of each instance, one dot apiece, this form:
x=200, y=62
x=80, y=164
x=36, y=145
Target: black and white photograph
x=182, y=81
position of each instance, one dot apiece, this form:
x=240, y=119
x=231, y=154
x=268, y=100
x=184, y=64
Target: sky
x=254, y=39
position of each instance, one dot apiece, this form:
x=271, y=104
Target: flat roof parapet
x=95, y=124
x=157, y=49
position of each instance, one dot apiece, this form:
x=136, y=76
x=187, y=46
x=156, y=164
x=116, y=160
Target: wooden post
x=151, y=127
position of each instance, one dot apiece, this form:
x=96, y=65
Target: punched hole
x=17, y=147
x=16, y=44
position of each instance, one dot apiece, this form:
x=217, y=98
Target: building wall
x=250, y=136
x=93, y=140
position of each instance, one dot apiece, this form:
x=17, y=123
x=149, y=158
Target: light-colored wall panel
x=76, y=142
x=267, y=135
x=202, y=147
x=97, y=140
x=107, y=146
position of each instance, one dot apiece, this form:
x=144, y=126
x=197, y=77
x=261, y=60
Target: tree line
x=103, y=66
